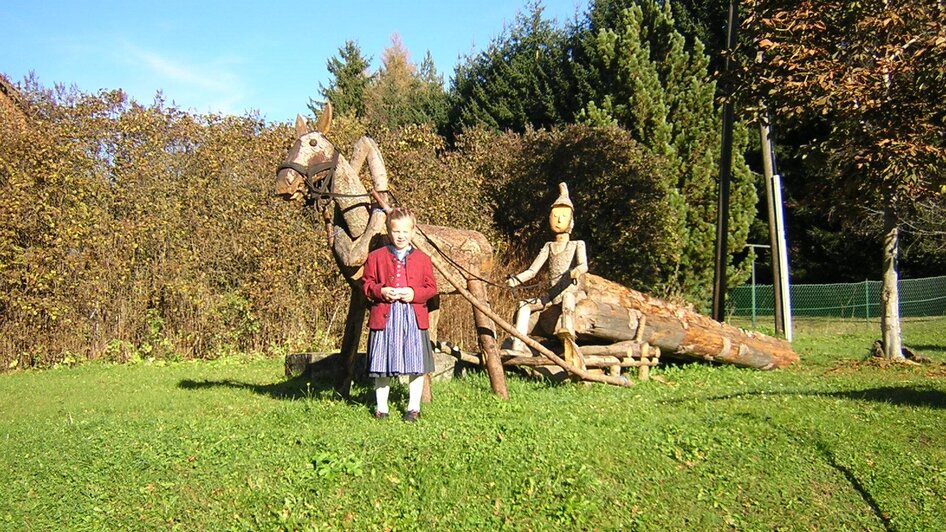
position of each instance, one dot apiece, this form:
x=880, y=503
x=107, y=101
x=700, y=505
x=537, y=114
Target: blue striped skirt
x=400, y=348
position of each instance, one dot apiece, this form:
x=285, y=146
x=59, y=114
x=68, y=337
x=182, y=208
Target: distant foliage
x=640, y=73
x=623, y=65
x=134, y=231
x=620, y=190
x=875, y=71
x=445, y=187
x=402, y=94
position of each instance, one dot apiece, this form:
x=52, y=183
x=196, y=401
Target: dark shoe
x=411, y=416
x=380, y=415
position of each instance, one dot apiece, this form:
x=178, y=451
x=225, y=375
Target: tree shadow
x=892, y=395
x=828, y=455
x=895, y=395
x=929, y=347
x=299, y=387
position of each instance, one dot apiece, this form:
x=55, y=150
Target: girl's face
x=400, y=232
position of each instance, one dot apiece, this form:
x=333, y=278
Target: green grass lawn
x=837, y=443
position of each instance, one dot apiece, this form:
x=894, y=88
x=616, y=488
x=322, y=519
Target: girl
x=398, y=281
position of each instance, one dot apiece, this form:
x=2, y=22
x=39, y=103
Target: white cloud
x=203, y=86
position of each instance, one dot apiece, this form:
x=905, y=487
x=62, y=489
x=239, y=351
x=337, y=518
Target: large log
x=616, y=313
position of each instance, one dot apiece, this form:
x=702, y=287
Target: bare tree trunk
x=889, y=296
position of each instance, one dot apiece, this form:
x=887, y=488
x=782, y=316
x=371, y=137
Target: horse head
x=310, y=162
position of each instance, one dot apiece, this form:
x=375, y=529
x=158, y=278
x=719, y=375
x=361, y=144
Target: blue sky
x=235, y=56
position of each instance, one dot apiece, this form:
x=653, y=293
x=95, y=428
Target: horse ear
x=302, y=127
x=325, y=120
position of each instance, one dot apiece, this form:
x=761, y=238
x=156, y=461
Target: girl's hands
x=390, y=293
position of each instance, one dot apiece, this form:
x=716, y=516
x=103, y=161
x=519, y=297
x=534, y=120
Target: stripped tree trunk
x=889, y=295
x=614, y=313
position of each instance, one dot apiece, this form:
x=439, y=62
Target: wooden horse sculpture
x=316, y=172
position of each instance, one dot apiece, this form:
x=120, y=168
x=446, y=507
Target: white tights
x=382, y=387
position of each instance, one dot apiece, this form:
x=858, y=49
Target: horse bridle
x=313, y=192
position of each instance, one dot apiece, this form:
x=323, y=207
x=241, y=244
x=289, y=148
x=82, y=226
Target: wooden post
x=497, y=378
x=643, y=371
x=487, y=339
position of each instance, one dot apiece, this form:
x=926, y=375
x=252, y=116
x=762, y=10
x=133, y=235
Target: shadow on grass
x=298, y=388
x=295, y=388
x=893, y=395
x=929, y=347
x=827, y=454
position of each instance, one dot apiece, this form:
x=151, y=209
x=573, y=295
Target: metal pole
x=752, y=248
x=782, y=258
x=753, y=289
x=867, y=301
x=725, y=176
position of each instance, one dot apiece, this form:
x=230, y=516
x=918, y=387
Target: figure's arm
x=581, y=260
x=532, y=270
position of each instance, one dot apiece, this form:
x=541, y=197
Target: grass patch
x=838, y=443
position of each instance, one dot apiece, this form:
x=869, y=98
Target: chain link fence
x=918, y=298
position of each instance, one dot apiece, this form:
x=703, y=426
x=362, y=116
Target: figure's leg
x=349, y=352
x=565, y=330
x=566, y=322
x=522, y=325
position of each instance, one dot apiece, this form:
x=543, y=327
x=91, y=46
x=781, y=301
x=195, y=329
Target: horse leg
x=353, y=253
x=367, y=148
x=349, y=352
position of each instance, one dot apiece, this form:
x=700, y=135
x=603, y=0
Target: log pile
x=615, y=313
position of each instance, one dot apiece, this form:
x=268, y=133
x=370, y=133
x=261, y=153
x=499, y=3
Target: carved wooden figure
x=315, y=171
x=568, y=263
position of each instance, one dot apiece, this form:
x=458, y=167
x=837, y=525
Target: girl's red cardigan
x=380, y=267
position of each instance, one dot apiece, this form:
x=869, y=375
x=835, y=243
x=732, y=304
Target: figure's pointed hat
x=563, y=199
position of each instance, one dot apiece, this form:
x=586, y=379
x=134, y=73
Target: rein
x=315, y=194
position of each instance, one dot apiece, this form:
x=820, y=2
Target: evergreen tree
x=625, y=64
x=401, y=94
x=633, y=68
x=431, y=99
x=518, y=81
x=350, y=80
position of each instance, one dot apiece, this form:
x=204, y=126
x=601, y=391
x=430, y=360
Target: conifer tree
x=401, y=93
x=633, y=69
x=350, y=75
x=518, y=81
